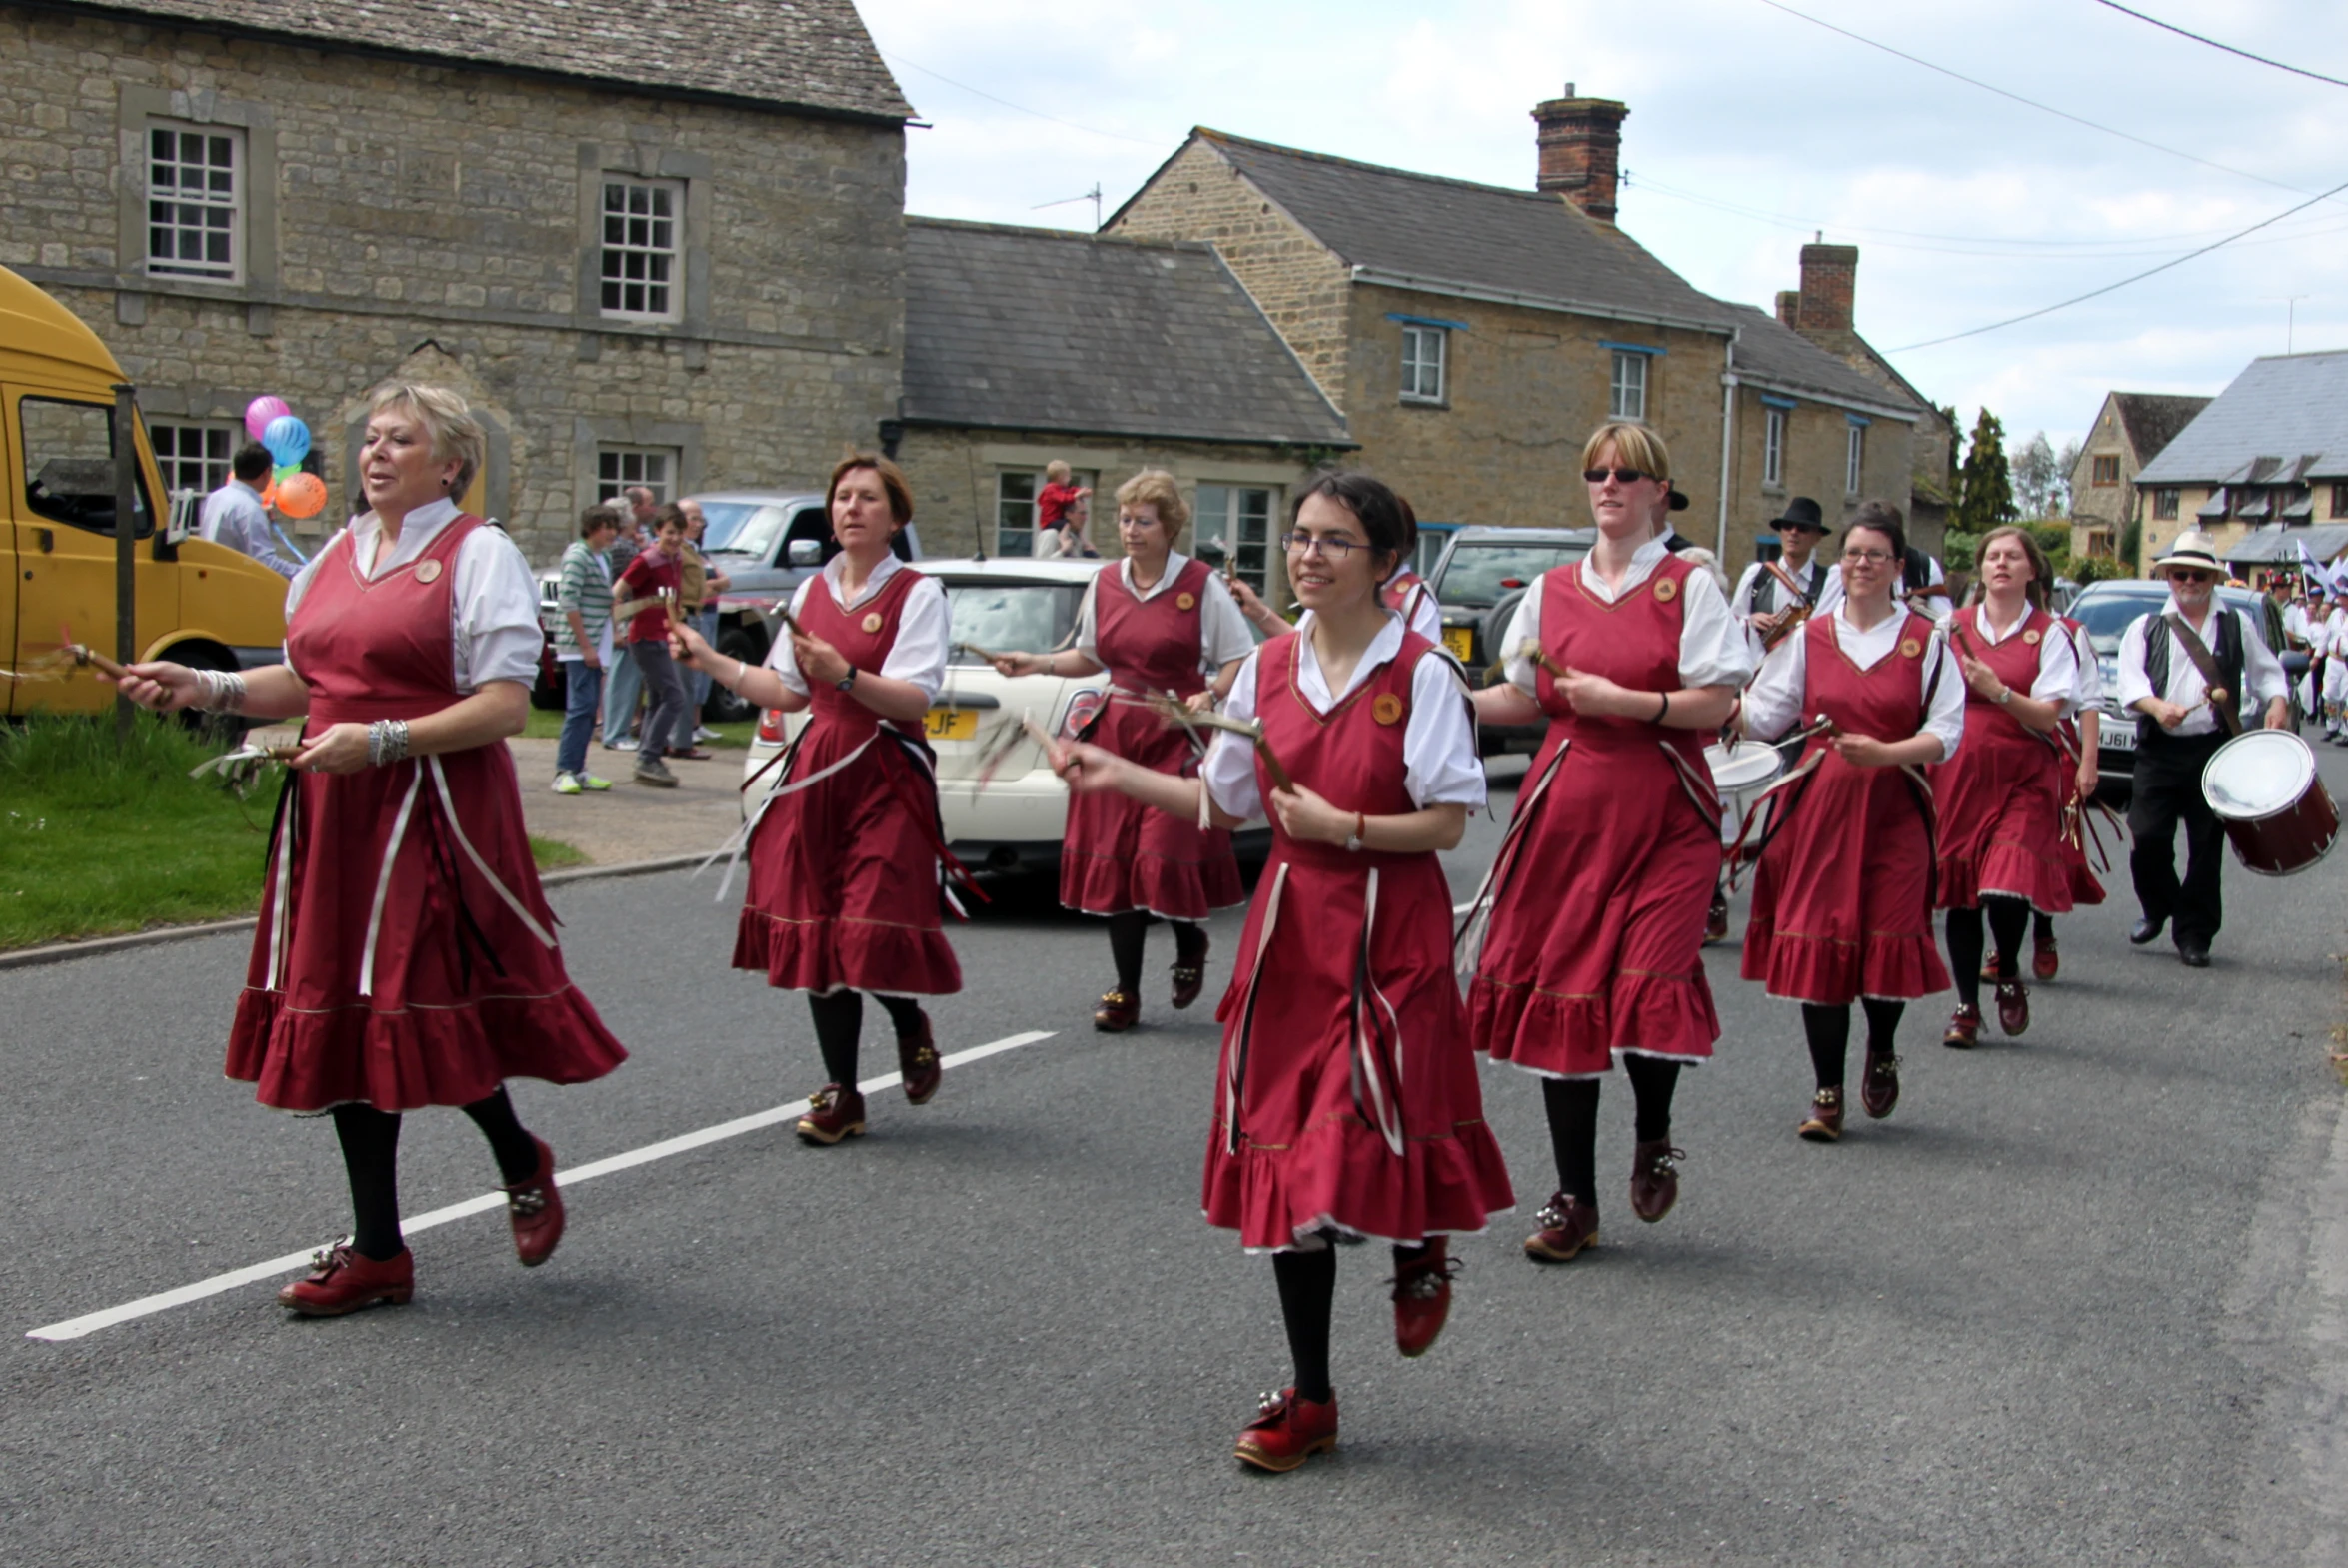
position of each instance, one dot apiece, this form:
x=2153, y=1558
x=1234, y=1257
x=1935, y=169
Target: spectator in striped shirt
x=583, y=641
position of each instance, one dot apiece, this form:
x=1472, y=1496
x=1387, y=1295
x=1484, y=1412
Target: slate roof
x=2283, y=408
x=787, y=54
x=1438, y=231
x=1773, y=354
x=1047, y=329
x=2151, y=420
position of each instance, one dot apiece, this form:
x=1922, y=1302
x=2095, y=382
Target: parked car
x=1482, y=574
x=2105, y=609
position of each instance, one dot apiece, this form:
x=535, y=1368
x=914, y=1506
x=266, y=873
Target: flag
x=2333, y=579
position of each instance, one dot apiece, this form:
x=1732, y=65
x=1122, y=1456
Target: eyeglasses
x=1621, y=476
x=2192, y=576
x=1331, y=545
x=1873, y=557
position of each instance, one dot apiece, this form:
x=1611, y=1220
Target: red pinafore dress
x=1405, y=590
x=1842, y=897
x=405, y=954
x=1121, y=854
x=2085, y=889
x=1599, y=894
x=2002, y=795
x=844, y=867
x=1346, y=1094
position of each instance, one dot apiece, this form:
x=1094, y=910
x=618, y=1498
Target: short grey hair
x=448, y=421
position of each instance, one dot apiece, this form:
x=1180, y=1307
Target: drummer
x=1763, y=600
x=2183, y=717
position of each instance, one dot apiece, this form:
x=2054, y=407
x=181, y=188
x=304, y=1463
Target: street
x=2083, y=1299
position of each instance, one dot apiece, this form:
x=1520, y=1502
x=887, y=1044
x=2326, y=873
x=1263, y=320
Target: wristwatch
x=847, y=682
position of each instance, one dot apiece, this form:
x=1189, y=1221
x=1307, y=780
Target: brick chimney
x=1790, y=306
x=1582, y=150
x=1829, y=275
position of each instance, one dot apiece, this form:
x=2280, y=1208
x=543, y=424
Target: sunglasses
x=1621, y=476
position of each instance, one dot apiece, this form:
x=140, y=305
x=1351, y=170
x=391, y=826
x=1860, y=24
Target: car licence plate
x=2115, y=734
x=1462, y=642
x=951, y=723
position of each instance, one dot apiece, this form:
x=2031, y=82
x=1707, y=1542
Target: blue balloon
x=287, y=439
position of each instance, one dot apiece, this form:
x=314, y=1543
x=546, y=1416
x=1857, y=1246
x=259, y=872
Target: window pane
x=192, y=212
x=640, y=245
x=69, y=464
x=1014, y=512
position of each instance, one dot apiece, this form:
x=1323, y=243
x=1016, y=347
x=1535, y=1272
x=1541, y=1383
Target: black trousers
x=2167, y=789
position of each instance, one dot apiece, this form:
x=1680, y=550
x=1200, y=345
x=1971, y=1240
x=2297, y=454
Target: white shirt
x=2262, y=672
x=1439, y=760
x=923, y=625
x=2087, y=693
x=1223, y=625
x=2295, y=620
x=233, y=516
x=1713, y=647
x=494, y=633
x=2057, y=679
x=1776, y=699
x=1741, y=601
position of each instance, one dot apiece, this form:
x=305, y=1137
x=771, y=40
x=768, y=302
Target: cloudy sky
x=1750, y=128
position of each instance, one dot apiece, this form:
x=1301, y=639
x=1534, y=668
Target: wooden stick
x=1213, y=721
x=985, y=655
x=89, y=656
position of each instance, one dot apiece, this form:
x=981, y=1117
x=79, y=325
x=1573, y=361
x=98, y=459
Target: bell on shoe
x=1964, y=1028
x=1655, y=1179
x=1879, y=1087
x=1190, y=974
x=1568, y=1227
x=343, y=1280
x=917, y=1064
x=1117, y=1012
x=2013, y=1006
x=1287, y=1431
x=535, y=1210
x=1825, y=1120
x=833, y=1114
x=1422, y=1297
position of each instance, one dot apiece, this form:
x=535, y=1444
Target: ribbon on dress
x=1468, y=944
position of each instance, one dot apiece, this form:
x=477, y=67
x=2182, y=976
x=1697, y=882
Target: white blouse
x=2057, y=680
x=923, y=625
x=494, y=633
x=1775, y=703
x=1713, y=647
x=1223, y=625
x=1439, y=760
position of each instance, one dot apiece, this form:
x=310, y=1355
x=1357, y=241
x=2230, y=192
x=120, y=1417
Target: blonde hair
x=448, y=423
x=1634, y=446
x=1057, y=472
x=1157, y=487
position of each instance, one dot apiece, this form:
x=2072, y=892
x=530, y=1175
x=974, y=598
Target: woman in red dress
x=2082, y=738
x=2001, y=797
x=1842, y=896
x=405, y=954
x=845, y=854
x=1156, y=622
x=1346, y=1104
x=1597, y=899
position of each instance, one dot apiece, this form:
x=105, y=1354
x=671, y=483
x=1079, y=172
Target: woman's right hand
x=160, y=684
x=1084, y=768
x=686, y=645
x=1013, y=665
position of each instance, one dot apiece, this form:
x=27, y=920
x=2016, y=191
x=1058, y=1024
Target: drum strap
x=2227, y=709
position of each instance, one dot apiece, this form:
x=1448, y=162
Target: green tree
x=1985, y=486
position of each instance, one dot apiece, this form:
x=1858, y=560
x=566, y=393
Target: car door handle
x=48, y=541
x=966, y=699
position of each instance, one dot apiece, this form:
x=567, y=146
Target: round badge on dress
x=1186, y=601
x=2031, y=637
x=427, y=571
x=1667, y=591
x=872, y=622
x=1388, y=710
x=1909, y=648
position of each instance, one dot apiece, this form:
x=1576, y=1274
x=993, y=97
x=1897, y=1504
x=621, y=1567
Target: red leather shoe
x=1655, y=1179
x=833, y=1114
x=1826, y=1122
x=2044, y=960
x=917, y=1064
x=1117, y=1013
x=1716, y=919
x=1422, y=1297
x=342, y=1281
x=1879, y=1088
x=1964, y=1028
x=1190, y=975
x=535, y=1210
x=1287, y=1431
x=2013, y=1006
x=1568, y=1225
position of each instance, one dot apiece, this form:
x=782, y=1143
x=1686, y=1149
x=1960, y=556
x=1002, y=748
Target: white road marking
x=218, y=1284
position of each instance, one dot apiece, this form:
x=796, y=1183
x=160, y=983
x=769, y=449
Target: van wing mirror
x=185, y=507
x=803, y=553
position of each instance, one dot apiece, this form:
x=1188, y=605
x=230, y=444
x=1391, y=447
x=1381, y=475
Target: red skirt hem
x=1832, y=974
x=406, y=1059
x=1341, y=1172
x=834, y=953
x=1165, y=886
x=1577, y=1037
x=2005, y=870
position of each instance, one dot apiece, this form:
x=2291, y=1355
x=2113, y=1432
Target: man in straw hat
x=2183, y=716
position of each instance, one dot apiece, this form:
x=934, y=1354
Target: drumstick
x=985, y=655
x=84, y=655
x=1213, y=721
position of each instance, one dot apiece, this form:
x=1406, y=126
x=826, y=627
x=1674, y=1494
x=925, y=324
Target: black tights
x=371, y=1154
x=840, y=1024
x=2009, y=920
x=1308, y=1288
x=1828, y=1030
x=1126, y=932
x=1574, y=1119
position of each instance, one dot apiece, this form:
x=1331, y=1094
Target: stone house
x=649, y=253
x=2130, y=429
x=1472, y=334
x=1113, y=355
x=2266, y=459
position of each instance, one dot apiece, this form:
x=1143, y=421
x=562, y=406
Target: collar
x=1380, y=653
x=1174, y=562
x=251, y=489
x=2172, y=608
x=837, y=566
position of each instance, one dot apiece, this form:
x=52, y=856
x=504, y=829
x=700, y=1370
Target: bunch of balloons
x=272, y=423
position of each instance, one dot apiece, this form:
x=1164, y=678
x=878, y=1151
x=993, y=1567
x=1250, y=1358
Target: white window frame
x=1014, y=514
x=1773, y=447
x=1856, y=468
x=654, y=239
x=208, y=472
x=1626, y=395
x=1426, y=362
x=619, y=468
x=214, y=211
x=1221, y=514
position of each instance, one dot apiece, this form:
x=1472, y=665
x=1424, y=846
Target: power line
x=2214, y=44
x=2124, y=282
x=980, y=92
x=2060, y=114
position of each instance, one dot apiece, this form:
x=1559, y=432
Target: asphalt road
x=2084, y=1299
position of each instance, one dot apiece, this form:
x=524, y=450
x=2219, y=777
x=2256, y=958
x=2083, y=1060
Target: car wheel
x=723, y=706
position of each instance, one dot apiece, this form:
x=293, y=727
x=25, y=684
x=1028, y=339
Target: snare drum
x=2276, y=813
x=1739, y=777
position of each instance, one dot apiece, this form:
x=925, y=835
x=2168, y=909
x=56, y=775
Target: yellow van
x=198, y=603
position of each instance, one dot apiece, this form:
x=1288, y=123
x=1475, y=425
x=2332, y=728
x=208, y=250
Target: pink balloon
x=261, y=411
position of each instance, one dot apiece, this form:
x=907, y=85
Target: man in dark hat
x=1761, y=598
x=1673, y=539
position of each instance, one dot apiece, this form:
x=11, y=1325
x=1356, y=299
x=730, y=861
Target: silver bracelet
x=387, y=740
x=221, y=692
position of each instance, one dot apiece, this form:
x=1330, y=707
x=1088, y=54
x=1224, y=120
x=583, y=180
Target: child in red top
x=1054, y=505
x=655, y=575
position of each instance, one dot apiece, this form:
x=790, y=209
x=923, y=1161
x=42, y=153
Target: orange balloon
x=303, y=496
x=269, y=495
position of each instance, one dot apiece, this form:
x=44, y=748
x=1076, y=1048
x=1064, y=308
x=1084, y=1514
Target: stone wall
x=441, y=221
x=1817, y=465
